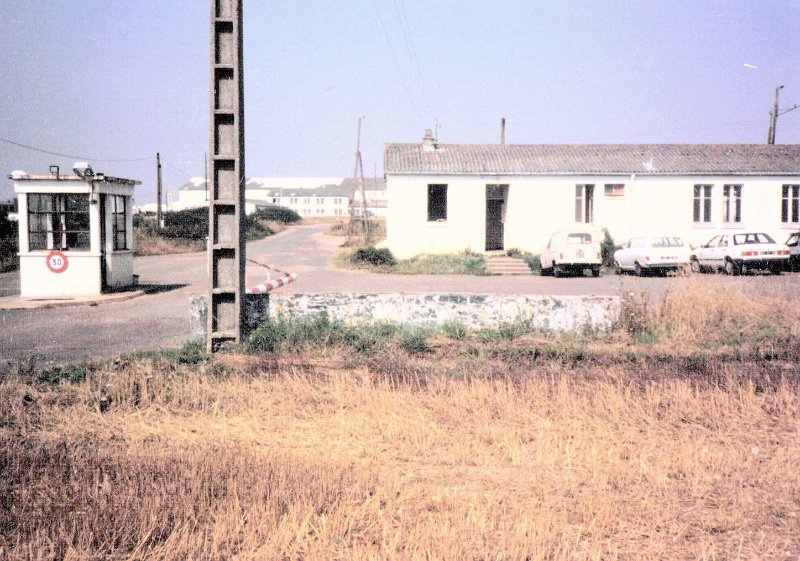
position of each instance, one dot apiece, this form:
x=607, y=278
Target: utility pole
x=158, y=192
x=358, y=183
x=773, y=121
x=226, y=225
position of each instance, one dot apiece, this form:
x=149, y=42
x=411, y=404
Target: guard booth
x=75, y=232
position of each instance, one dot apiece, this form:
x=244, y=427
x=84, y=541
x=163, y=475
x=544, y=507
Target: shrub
x=607, y=248
x=278, y=214
x=414, y=340
x=191, y=224
x=374, y=256
x=455, y=330
x=8, y=240
x=534, y=262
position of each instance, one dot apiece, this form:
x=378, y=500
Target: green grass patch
x=533, y=261
x=466, y=263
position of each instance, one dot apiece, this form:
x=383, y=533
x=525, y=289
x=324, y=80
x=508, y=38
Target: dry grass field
x=675, y=437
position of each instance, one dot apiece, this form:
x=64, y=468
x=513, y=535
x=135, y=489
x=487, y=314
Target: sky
x=114, y=82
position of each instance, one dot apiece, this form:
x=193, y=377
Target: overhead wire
x=396, y=61
x=52, y=153
x=408, y=40
x=176, y=168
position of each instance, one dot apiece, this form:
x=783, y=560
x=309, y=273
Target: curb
x=21, y=303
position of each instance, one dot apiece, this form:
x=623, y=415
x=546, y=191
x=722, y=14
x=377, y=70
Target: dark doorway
x=103, y=258
x=495, y=202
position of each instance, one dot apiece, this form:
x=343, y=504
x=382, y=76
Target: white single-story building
x=75, y=232
x=447, y=198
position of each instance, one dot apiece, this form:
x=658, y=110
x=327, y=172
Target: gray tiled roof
x=585, y=159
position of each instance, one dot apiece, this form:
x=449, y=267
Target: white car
x=658, y=254
x=739, y=253
x=572, y=252
x=793, y=243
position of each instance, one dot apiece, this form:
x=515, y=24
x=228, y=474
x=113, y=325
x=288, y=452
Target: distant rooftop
x=289, y=187
x=588, y=159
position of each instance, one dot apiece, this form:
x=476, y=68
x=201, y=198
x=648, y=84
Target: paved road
x=161, y=317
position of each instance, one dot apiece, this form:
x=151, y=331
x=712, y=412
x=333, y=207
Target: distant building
x=307, y=196
x=445, y=198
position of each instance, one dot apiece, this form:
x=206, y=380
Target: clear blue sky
x=120, y=80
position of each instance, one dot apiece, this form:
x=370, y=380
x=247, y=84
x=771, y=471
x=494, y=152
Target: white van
x=572, y=251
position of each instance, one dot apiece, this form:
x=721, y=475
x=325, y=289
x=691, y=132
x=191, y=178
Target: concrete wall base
x=555, y=313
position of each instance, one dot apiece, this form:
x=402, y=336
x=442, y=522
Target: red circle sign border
x=63, y=259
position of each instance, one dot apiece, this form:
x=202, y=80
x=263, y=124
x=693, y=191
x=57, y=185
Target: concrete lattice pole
x=226, y=204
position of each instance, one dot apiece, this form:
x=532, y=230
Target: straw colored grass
x=642, y=444
x=301, y=458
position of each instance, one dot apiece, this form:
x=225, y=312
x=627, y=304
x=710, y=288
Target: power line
x=176, y=168
x=35, y=149
x=408, y=40
x=396, y=62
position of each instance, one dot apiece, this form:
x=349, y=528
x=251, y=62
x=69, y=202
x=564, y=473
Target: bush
x=374, y=256
x=8, y=240
x=607, y=248
x=191, y=224
x=415, y=340
x=278, y=214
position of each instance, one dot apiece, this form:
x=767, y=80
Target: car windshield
x=666, y=242
x=743, y=239
x=579, y=239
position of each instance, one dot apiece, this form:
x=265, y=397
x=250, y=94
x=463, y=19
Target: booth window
x=437, y=203
x=119, y=229
x=58, y=221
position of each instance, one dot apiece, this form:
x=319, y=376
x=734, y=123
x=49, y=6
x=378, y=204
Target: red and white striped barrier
x=269, y=285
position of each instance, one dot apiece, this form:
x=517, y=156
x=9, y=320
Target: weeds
x=466, y=263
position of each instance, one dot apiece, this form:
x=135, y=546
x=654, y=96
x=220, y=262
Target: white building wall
x=537, y=206
x=408, y=231
x=82, y=277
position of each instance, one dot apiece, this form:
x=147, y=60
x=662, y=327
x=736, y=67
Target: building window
x=119, y=230
x=732, y=204
x=584, y=203
x=58, y=222
x=614, y=189
x=790, y=204
x=437, y=203
x=702, y=203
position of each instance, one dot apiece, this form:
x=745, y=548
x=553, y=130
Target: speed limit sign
x=57, y=262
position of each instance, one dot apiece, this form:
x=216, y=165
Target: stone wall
x=555, y=313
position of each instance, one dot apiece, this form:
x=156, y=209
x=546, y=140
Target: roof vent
x=428, y=142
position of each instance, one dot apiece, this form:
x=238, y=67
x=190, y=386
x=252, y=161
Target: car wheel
x=596, y=271
x=618, y=268
x=695, y=266
x=637, y=269
x=731, y=268
x=557, y=271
